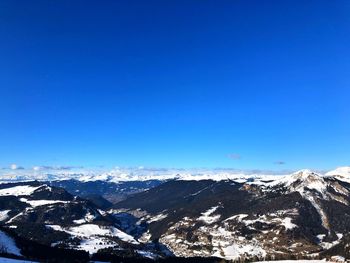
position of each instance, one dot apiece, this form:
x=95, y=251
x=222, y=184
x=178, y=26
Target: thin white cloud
x=57, y=168
x=16, y=167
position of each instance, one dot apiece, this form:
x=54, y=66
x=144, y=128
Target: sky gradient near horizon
x=241, y=84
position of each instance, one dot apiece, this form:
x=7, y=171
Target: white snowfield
x=91, y=229
x=87, y=230
x=156, y=218
x=35, y=203
x=95, y=237
x=234, y=251
x=19, y=190
x=209, y=217
x=4, y=215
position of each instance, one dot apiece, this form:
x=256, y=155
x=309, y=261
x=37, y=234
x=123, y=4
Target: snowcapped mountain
x=341, y=173
x=302, y=215
x=310, y=185
x=216, y=214
x=316, y=189
x=117, y=175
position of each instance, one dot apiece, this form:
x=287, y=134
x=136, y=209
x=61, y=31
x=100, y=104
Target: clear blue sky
x=175, y=83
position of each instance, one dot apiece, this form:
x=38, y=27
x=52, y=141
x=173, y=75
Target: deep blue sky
x=175, y=83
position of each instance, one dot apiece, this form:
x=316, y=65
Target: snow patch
x=86, y=219
x=146, y=237
x=35, y=203
x=238, y=217
x=235, y=251
x=4, y=215
x=19, y=190
x=92, y=245
x=287, y=223
x=207, y=216
x=328, y=245
x=90, y=230
x=156, y=218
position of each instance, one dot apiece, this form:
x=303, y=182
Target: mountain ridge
x=130, y=174
x=302, y=215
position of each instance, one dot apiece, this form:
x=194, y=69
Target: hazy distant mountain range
x=54, y=173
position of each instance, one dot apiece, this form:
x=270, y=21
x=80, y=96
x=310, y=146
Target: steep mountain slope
x=51, y=216
x=299, y=215
x=99, y=201
x=326, y=194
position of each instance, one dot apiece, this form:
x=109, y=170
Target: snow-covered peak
x=341, y=173
x=304, y=172
x=308, y=179
x=303, y=180
x=345, y=170
x=306, y=176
